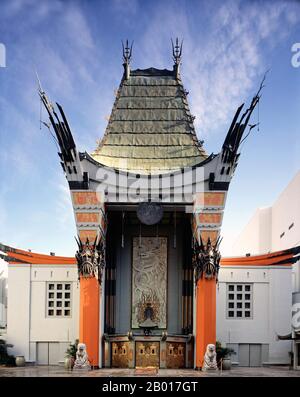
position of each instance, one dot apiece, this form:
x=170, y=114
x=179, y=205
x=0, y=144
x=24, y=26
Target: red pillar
x=89, y=324
x=205, y=317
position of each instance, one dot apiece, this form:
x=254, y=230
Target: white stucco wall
x=286, y=210
x=262, y=233
x=270, y=229
x=27, y=319
x=256, y=236
x=253, y=330
x=18, y=309
x=3, y=295
x=280, y=298
x=271, y=309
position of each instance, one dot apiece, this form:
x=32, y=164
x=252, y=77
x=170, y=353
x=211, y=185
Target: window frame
x=55, y=308
x=239, y=289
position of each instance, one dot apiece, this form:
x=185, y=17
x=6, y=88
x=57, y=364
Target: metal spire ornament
x=177, y=52
x=127, y=52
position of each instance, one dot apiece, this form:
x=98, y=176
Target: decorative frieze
x=87, y=198
x=209, y=199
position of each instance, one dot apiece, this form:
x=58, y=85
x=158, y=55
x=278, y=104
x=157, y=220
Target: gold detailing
x=147, y=354
x=175, y=355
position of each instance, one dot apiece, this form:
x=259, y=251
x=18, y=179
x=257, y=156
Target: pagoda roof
x=150, y=128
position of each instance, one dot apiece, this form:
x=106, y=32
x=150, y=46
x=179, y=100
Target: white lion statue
x=82, y=360
x=210, y=358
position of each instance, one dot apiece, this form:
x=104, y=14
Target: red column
x=89, y=323
x=205, y=317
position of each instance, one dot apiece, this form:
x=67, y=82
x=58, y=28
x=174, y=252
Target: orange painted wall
x=205, y=317
x=89, y=324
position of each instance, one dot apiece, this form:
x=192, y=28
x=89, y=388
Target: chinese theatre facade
x=148, y=205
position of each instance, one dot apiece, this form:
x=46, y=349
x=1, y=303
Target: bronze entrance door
x=147, y=354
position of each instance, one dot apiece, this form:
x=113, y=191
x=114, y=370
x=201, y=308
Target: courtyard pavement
x=59, y=371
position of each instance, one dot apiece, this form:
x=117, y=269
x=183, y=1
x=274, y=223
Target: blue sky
x=76, y=48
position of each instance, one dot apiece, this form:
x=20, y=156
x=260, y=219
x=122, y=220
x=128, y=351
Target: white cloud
x=125, y=9
x=223, y=64
x=77, y=28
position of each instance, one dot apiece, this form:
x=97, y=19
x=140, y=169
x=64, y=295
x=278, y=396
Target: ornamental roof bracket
x=177, y=52
x=127, y=52
x=91, y=258
x=206, y=259
x=234, y=137
x=62, y=133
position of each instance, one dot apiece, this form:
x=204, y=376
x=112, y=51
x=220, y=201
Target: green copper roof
x=150, y=128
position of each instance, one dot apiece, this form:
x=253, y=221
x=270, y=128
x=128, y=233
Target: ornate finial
x=177, y=51
x=127, y=52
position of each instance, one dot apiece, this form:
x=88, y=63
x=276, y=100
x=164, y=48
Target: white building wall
x=274, y=228
x=280, y=298
x=286, y=211
x=3, y=296
x=271, y=310
x=262, y=234
x=248, y=240
x=28, y=323
x=265, y=230
x=18, y=309
x=256, y=236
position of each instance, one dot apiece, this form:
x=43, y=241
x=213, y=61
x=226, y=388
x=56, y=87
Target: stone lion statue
x=210, y=358
x=82, y=360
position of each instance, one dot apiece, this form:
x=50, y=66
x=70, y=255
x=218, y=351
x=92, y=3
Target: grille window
x=239, y=301
x=58, y=301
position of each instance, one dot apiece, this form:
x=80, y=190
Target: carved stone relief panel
x=149, y=280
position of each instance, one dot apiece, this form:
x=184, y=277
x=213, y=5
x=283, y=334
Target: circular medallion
x=149, y=213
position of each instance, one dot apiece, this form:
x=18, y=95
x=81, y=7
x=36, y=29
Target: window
x=58, y=300
x=239, y=301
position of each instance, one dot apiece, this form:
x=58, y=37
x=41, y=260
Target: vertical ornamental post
x=91, y=262
x=206, y=259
